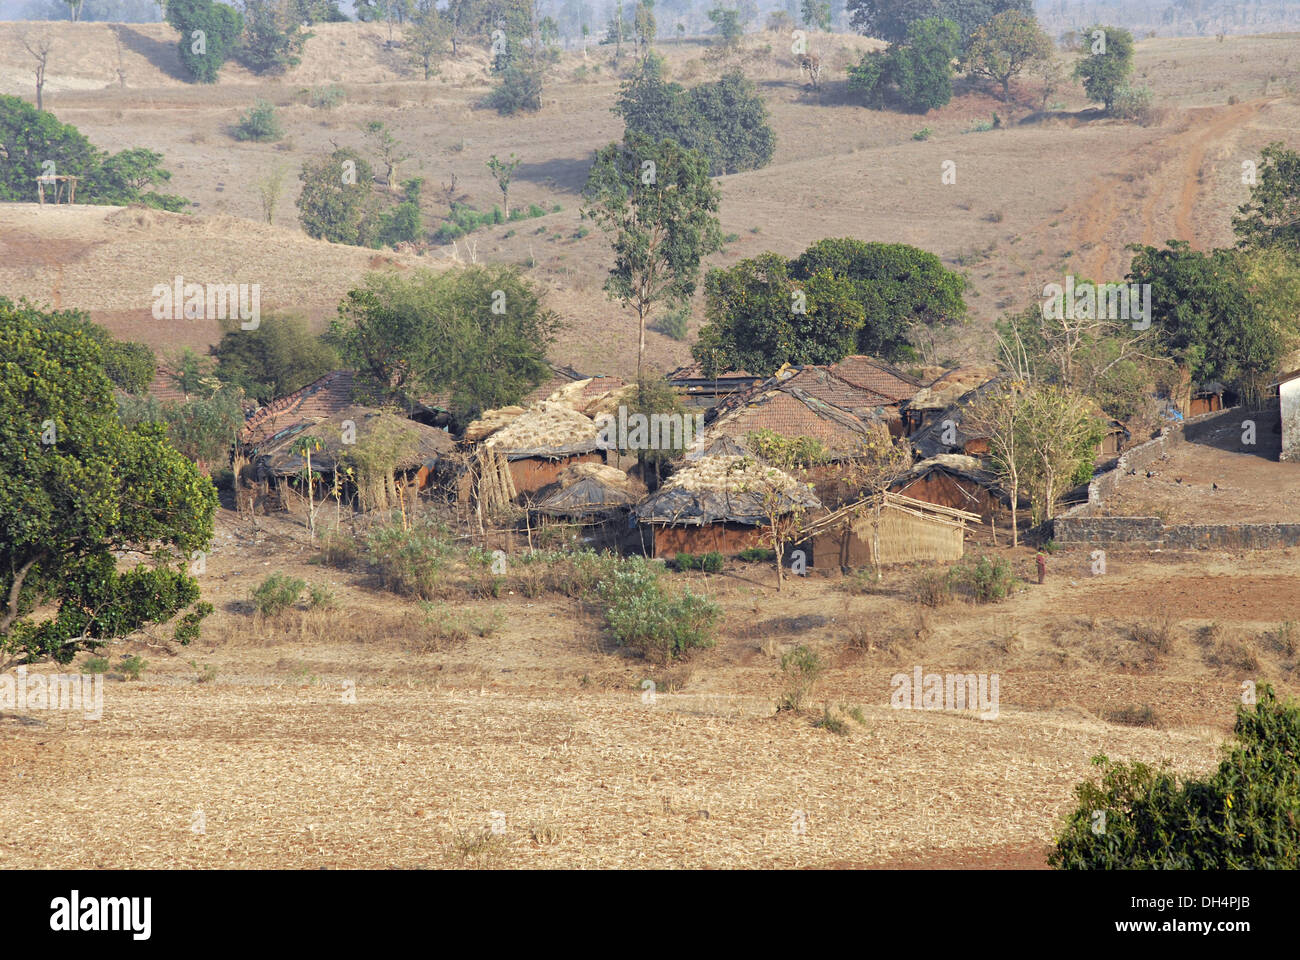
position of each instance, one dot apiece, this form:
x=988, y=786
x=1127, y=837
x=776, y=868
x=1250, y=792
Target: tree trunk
x=776, y=548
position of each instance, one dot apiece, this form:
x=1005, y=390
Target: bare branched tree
x=40, y=49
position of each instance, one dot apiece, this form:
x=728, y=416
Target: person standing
x=1041, y=560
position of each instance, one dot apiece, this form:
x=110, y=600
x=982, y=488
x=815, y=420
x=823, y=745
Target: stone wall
x=1080, y=526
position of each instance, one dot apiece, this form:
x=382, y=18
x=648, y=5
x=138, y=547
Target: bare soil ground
x=544, y=724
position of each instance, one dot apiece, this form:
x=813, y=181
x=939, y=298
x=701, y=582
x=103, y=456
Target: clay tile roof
x=878, y=376
x=791, y=412
x=318, y=400
x=822, y=383
x=695, y=371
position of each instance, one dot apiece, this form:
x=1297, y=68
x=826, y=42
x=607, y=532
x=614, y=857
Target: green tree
x=208, y=34
x=891, y=19
x=76, y=486
x=726, y=120
x=479, y=333
x=335, y=203
x=427, y=38
x=464, y=18
x=130, y=366
x=1241, y=817
x=203, y=427
x=1002, y=48
x=503, y=172
x=1225, y=315
x=1105, y=63
x=274, y=360
x=726, y=24
x=922, y=67
x=1272, y=214
x=816, y=14
x=658, y=201
x=758, y=317
x=273, y=38
x=33, y=140
x=643, y=26
x=904, y=291
x=1056, y=435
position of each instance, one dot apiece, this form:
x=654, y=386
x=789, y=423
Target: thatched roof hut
x=883, y=529
x=416, y=446
x=589, y=490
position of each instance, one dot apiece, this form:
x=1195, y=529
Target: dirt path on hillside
x=1184, y=153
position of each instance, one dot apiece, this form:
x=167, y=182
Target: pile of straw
x=545, y=425
x=609, y=476
x=730, y=474
x=491, y=422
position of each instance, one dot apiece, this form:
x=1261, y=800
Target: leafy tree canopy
x=336, y=201
x=1000, y=49
x=208, y=31
x=34, y=144
x=1272, y=215
x=918, y=70
x=1105, y=62
x=726, y=120
x=1241, y=817
x=279, y=357
x=478, y=334
x=891, y=19
x=76, y=486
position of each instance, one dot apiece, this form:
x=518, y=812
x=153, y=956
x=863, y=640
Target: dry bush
x=933, y=588
x=1134, y=716
x=1234, y=653
x=1285, y=638
x=1156, y=634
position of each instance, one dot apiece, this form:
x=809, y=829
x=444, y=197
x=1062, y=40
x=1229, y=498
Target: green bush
x=277, y=593
x=1133, y=103
x=327, y=97
x=221, y=26
x=1241, y=817
x=988, y=580
x=410, y=562
x=520, y=91
x=642, y=616
x=708, y=562
x=133, y=666
x=802, y=668
x=922, y=134
x=95, y=665
x=756, y=555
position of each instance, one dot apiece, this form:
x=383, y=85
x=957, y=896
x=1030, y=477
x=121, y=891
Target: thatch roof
x=721, y=446
x=590, y=488
x=724, y=488
x=423, y=446
x=547, y=429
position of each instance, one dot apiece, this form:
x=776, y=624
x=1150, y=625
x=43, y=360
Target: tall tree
x=477, y=333
x=658, y=201
x=76, y=487
x=1105, y=63
x=427, y=37
x=1271, y=217
x=1005, y=46
x=279, y=357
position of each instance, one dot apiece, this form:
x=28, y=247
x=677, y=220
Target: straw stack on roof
x=591, y=488
x=546, y=429
x=724, y=488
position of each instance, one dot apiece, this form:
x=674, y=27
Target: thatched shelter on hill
x=542, y=441
x=719, y=504
x=885, y=529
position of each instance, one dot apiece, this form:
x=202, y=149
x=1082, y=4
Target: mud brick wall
x=1151, y=532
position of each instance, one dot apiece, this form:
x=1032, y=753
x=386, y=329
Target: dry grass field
x=336, y=738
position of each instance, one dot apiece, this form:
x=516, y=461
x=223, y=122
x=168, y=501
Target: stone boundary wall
x=1079, y=526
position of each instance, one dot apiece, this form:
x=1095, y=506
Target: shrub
x=259, y=123
x=988, y=580
x=708, y=562
x=934, y=588
x=642, y=616
x=327, y=97
x=277, y=593
x=757, y=555
x=409, y=562
x=1134, y=716
x=520, y=90
x=1240, y=817
x=673, y=323
x=133, y=666
x=95, y=665
x=802, y=668
x=319, y=595
x=922, y=134
x=1134, y=103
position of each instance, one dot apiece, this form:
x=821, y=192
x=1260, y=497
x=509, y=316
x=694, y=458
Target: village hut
x=540, y=442
x=885, y=529
x=596, y=498
x=700, y=392
x=871, y=373
x=719, y=504
x=376, y=449
x=958, y=482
